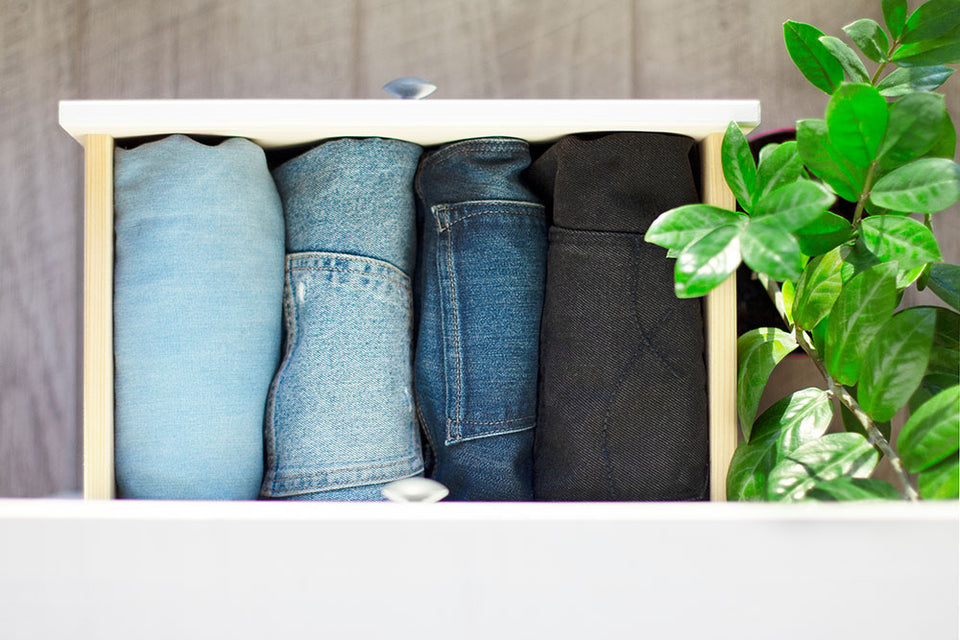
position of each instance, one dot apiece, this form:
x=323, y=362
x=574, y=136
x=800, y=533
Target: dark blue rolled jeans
x=478, y=297
x=622, y=402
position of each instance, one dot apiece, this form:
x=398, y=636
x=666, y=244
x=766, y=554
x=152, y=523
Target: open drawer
x=285, y=123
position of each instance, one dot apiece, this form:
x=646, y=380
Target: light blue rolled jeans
x=198, y=287
x=340, y=418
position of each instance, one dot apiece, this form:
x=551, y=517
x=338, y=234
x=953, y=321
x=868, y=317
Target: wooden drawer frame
x=273, y=123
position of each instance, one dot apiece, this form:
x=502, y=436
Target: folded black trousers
x=622, y=409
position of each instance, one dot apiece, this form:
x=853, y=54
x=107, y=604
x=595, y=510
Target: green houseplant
x=886, y=143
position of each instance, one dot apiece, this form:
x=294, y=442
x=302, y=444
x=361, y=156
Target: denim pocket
x=340, y=410
x=490, y=262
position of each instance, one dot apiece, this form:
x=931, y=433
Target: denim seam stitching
x=487, y=434
x=504, y=421
x=292, y=302
x=396, y=281
x=491, y=211
x=456, y=329
x=304, y=491
x=306, y=256
x=380, y=465
x=457, y=149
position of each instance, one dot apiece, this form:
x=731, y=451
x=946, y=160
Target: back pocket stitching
x=455, y=309
x=292, y=337
x=441, y=212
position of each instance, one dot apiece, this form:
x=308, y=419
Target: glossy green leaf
x=944, y=362
x=932, y=432
x=795, y=205
x=825, y=162
x=864, y=304
x=831, y=456
x=823, y=234
x=817, y=289
x=906, y=80
x=812, y=58
x=758, y=353
x=677, y=228
x=767, y=150
x=853, y=425
x=946, y=144
x=819, y=336
x=871, y=39
x=945, y=282
x=899, y=238
x=768, y=249
x=846, y=489
x=749, y=467
x=895, y=362
x=931, y=20
x=704, y=264
x=942, y=50
x=783, y=166
x=807, y=418
x=916, y=121
x=739, y=169
x=894, y=16
x=927, y=185
x=856, y=121
x=856, y=259
x=941, y=481
x=804, y=415
x=847, y=57
x=787, y=294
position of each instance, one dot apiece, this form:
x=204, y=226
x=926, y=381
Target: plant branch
x=887, y=58
x=873, y=433
x=838, y=391
x=862, y=200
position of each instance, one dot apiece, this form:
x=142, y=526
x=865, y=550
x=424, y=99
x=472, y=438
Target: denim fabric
x=197, y=319
x=622, y=405
x=480, y=279
x=340, y=416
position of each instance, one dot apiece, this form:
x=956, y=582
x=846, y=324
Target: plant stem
x=837, y=390
x=873, y=434
x=876, y=75
x=883, y=64
x=862, y=200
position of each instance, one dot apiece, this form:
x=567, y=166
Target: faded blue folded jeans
x=479, y=293
x=197, y=317
x=340, y=420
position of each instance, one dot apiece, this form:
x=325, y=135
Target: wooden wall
x=66, y=49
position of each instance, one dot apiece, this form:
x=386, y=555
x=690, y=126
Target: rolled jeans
x=197, y=323
x=340, y=414
x=479, y=293
x=622, y=404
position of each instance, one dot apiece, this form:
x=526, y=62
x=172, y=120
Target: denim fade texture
x=622, y=405
x=197, y=317
x=340, y=415
x=479, y=294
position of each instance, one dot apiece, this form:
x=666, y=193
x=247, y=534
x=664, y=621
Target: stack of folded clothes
x=373, y=311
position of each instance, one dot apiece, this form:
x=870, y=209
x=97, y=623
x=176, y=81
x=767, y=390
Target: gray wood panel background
x=66, y=49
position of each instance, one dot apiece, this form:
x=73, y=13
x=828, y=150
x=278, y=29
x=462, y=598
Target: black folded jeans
x=622, y=409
